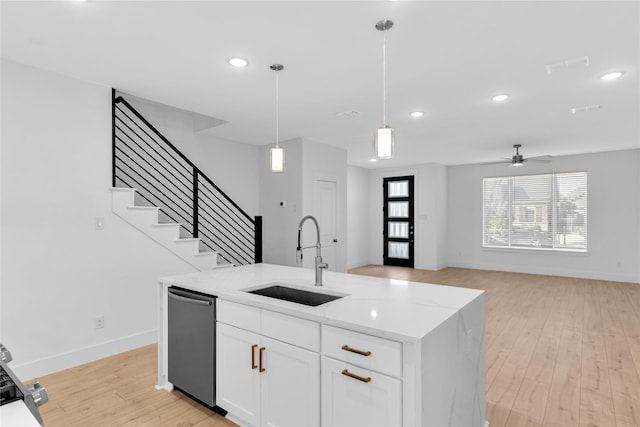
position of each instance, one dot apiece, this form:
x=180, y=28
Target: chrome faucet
x=319, y=264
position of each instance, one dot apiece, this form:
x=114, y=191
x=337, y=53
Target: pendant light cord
x=277, y=115
x=384, y=78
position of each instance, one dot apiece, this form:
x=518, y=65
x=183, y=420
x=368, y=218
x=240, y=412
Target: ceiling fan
x=518, y=159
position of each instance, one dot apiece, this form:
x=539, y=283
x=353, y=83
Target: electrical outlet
x=99, y=322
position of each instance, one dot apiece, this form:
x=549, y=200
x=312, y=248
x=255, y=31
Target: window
x=535, y=211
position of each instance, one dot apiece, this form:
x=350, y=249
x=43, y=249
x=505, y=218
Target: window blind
x=547, y=211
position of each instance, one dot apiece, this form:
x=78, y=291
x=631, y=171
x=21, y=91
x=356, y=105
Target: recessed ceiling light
x=350, y=113
x=416, y=114
x=238, y=62
x=585, y=109
x=500, y=98
x=611, y=76
x=373, y=160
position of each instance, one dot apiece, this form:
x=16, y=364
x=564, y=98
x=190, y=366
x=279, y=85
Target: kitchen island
x=387, y=352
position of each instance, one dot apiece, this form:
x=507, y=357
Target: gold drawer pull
x=262, y=369
x=357, y=377
x=355, y=350
x=253, y=356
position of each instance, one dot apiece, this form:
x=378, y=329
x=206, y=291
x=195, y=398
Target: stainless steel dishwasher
x=192, y=344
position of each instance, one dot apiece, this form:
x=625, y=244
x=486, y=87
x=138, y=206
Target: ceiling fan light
x=277, y=159
x=383, y=142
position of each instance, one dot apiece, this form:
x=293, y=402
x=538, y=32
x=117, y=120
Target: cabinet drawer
x=240, y=315
x=353, y=396
x=367, y=351
x=300, y=332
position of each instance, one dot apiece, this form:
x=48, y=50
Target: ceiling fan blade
x=497, y=163
x=541, y=159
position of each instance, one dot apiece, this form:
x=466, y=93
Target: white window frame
x=510, y=211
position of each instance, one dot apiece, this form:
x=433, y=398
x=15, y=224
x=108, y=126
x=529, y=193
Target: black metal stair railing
x=145, y=160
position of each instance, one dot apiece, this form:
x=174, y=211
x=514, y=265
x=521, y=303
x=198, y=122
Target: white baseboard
x=37, y=368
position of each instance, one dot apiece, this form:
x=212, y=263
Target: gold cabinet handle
x=262, y=349
x=253, y=356
x=355, y=350
x=357, y=377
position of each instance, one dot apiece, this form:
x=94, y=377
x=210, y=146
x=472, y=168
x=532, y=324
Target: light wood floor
x=559, y=352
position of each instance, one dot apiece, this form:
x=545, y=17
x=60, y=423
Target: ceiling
x=444, y=58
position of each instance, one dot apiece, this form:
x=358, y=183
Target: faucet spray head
x=298, y=254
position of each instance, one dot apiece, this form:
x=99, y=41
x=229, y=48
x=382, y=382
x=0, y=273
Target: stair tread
x=143, y=208
x=207, y=253
x=122, y=189
x=224, y=265
x=166, y=224
x=187, y=239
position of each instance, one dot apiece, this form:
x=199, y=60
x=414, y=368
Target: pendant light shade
x=383, y=140
x=277, y=159
x=277, y=152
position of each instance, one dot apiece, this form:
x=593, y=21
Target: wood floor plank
x=529, y=406
x=559, y=352
x=563, y=402
x=596, y=410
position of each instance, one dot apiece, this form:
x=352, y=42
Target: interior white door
x=326, y=212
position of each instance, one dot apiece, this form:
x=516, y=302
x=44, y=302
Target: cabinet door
x=348, y=401
x=290, y=385
x=238, y=377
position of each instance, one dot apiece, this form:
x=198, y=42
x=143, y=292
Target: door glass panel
x=398, y=229
x=398, y=189
x=399, y=250
x=398, y=209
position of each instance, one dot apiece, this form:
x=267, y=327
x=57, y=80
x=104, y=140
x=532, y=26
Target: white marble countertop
x=396, y=309
x=16, y=414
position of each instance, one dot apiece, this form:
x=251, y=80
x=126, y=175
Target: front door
x=398, y=221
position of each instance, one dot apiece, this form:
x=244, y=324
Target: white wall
x=613, y=194
x=57, y=273
x=448, y=213
x=280, y=224
x=358, y=217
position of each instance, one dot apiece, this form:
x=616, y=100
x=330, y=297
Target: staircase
x=145, y=219
x=162, y=193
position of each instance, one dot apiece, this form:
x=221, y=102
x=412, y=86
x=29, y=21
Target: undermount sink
x=295, y=295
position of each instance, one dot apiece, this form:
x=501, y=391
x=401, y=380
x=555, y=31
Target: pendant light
x=277, y=152
x=383, y=138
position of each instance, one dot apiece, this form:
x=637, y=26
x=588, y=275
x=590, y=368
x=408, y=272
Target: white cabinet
x=361, y=384
x=290, y=385
x=262, y=380
x=237, y=379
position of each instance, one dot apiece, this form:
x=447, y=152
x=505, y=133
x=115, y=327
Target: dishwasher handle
x=188, y=299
